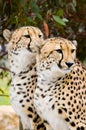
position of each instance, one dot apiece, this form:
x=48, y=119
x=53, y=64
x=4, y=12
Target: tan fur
x=23, y=45
x=60, y=96
x=53, y=44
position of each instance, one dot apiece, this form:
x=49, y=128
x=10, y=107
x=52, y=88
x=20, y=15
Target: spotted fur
x=22, y=47
x=60, y=96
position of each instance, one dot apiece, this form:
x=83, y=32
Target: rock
x=8, y=118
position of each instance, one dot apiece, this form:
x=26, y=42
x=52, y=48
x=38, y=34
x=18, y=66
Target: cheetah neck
x=45, y=82
x=21, y=62
x=46, y=78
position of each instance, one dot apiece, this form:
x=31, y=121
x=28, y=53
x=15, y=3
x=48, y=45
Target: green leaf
x=4, y=89
x=30, y=21
x=39, y=16
x=4, y=100
x=60, y=12
x=59, y=20
x=34, y=6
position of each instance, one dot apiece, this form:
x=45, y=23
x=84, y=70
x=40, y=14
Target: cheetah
x=23, y=44
x=60, y=95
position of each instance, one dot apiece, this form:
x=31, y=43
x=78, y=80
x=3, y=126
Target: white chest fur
x=44, y=109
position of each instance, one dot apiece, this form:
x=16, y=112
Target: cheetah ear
x=7, y=34
x=74, y=42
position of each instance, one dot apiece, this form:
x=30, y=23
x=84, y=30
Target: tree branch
x=3, y=53
x=4, y=95
x=4, y=68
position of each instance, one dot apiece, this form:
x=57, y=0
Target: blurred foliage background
x=55, y=18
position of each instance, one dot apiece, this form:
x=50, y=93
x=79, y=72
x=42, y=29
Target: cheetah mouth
x=66, y=69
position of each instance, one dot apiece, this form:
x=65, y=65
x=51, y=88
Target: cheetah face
x=23, y=44
x=24, y=38
x=57, y=55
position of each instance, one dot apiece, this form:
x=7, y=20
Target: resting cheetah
x=22, y=48
x=60, y=96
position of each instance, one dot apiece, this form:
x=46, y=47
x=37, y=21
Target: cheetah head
x=23, y=44
x=57, y=56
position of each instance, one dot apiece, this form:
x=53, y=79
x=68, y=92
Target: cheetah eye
x=72, y=50
x=27, y=36
x=40, y=35
x=59, y=50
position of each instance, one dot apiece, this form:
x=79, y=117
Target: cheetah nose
x=69, y=64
